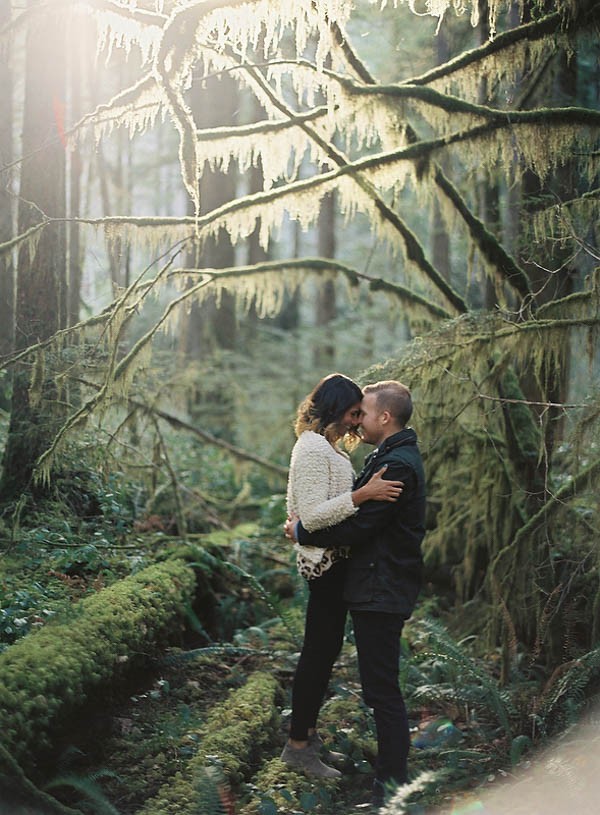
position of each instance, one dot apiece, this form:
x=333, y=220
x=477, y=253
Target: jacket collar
x=404, y=437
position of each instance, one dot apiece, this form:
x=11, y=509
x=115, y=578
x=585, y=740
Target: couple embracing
x=358, y=543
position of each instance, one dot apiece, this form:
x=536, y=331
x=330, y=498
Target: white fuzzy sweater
x=319, y=491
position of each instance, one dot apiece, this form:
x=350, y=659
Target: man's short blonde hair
x=394, y=397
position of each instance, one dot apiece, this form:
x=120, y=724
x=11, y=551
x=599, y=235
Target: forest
x=205, y=207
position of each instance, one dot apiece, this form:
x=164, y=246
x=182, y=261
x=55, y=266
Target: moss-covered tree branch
x=236, y=734
x=529, y=32
x=255, y=128
x=323, y=266
x=208, y=438
x=584, y=117
x=413, y=247
x=587, y=478
x=489, y=247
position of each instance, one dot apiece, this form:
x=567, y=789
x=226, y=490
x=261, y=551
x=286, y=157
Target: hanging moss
x=488, y=537
x=46, y=676
x=525, y=432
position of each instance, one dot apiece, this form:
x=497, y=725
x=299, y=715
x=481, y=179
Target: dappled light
x=206, y=207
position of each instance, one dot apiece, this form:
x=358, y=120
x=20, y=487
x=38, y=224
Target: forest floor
x=136, y=736
x=143, y=734
x=151, y=731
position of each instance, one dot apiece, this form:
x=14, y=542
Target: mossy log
x=284, y=787
x=233, y=740
x=48, y=675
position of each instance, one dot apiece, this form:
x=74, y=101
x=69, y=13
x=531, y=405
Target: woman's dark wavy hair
x=325, y=405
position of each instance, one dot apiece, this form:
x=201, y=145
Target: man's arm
x=372, y=516
x=310, y=485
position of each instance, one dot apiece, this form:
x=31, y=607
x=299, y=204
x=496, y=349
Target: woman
x=320, y=493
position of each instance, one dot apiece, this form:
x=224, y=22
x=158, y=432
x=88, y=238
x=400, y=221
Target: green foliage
x=277, y=789
x=519, y=745
x=274, y=604
x=566, y=693
x=237, y=563
x=65, y=547
x=21, y=795
x=22, y=609
x=472, y=375
x=505, y=501
x=210, y=792
x=499, y=725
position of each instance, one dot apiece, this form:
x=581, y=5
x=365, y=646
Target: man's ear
x=386, y=417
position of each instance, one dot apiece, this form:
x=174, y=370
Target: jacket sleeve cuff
x=302, y=536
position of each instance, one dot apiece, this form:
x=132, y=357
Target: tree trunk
x=74, y=181
x=41, y=285
x=7, y=280
x=325, y=305
x=556, y=86
x=440, y=240
x=213, y=325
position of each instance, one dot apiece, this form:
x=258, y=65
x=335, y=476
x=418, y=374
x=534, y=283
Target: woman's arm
x=311, y=482
x=360, y=527
x=309, y=488
x=377, y=489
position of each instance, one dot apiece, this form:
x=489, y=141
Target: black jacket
x=385, y=566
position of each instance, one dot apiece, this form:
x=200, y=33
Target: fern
x=206, y=560
x=398, y=803
x=566, y=692
x=14, y=782
x=89, y=788
x=210, y=792
x=475, y=685
x=272, y=602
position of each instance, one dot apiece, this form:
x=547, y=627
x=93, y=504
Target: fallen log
x=46, y=677
x=233, y=742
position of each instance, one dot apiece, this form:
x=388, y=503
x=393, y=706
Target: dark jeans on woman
x=323, y=638
x=377, y=636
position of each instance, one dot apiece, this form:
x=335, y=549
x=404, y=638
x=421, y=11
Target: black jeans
x=323, y=638
x=377, y=636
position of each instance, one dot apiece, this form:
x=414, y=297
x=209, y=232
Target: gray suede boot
x=306, y=760
x=339, y=760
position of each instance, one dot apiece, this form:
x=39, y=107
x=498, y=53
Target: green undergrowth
x=346, y=727
x=277, y=789
x=151, y=729
x=201, y=735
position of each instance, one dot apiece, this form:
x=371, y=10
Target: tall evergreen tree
x=41, y=274
x=7, y=287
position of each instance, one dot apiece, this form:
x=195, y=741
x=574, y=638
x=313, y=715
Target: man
x=384, y=569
